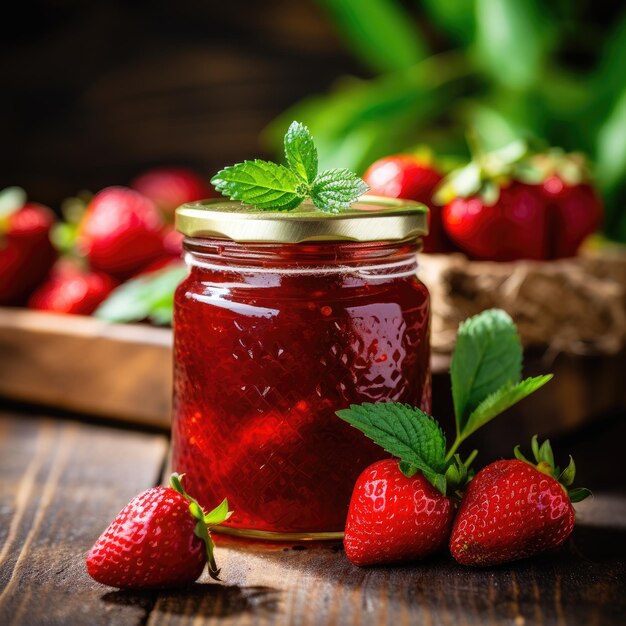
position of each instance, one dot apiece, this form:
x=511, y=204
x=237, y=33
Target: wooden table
x=62, y=480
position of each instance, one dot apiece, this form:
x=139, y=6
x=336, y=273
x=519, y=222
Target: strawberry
x=159, y=539
x=71, y=289
x=575, y=208
x=120, y=232
x=172, y=242
x=26, y=254
x=513, y=227
x=403, y=511
x=411, y=177
x=393, y=518
x=514, y=509
x=169, y=187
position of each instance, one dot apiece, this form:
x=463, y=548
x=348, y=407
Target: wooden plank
x=82, y=364
x=61, y=482
x=316, y=585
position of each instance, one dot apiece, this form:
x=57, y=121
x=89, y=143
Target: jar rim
x=372, y=218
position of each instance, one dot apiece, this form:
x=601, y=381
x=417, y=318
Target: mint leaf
x=261, y=183
x=404, y=431
x=501, y=400
x=487, y=356
x=334, y=190
x=150, y=296
x=301, y=152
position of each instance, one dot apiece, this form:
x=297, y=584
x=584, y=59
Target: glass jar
x=272, y=337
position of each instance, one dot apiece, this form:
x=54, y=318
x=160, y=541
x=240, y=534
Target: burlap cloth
x=574, y=306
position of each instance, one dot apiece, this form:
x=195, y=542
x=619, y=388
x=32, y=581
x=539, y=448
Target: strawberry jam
x=270, y=340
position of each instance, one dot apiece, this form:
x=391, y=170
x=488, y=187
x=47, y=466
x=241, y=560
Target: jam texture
x=269, y=342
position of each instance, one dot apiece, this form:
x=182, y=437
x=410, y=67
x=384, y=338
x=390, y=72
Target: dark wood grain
x=60, y=484
x=316, y=585
x=62, y=481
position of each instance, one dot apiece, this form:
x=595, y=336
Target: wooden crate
x=82, y=364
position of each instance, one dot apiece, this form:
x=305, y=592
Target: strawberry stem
x=204, y=521
x=544, y=462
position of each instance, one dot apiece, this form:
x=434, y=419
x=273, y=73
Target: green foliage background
x=554, y=71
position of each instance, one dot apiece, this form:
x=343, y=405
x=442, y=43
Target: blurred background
x=100, y=91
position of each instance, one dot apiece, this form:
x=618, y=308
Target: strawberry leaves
x=485, y=373
x=487, y=355
x=544, y=462
x=502, y=399
x=272, y=187
x=404, y=431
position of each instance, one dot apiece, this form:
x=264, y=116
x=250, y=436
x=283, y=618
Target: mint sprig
x=272, y=187
x=485, y=374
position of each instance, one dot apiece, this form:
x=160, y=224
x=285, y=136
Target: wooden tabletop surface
x=62, y=480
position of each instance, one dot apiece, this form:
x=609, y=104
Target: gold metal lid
x=372, y=218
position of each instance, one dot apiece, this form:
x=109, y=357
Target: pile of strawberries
x=502, y=206
x=120, y=232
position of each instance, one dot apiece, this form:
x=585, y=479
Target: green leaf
x=404, y=431
x=262, y=184
x=205, y=520
x=455, y=17
x=502, y=399
x=407, y=469
x=337, y=189
x=301, y=152
x=150, y=296
x=579, y=494
x=611, y=145
x=567, y=476
x=380, y=32
x=218, y=515
x=545, y=454
x=511, y=41
x=487, y=356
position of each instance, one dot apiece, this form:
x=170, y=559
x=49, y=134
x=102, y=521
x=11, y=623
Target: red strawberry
x=169, y=187
x=393, y=518
x=72, y=290
x=513, y=227
x=26, y=254
x=513, y=510
x=120, y=232
x=576, y=213
x=414, y=178
x=159, y=539
x=172, y=242
x=575, y=208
